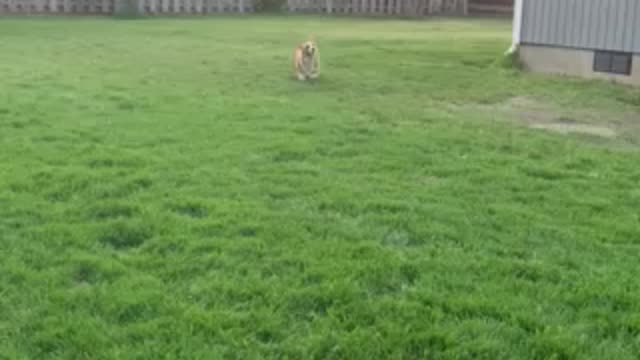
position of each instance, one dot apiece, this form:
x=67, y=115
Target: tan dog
x=306, y=60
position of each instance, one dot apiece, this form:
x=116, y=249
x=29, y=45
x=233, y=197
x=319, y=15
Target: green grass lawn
x=167, y=191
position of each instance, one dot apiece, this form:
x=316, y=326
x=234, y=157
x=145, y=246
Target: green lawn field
x=168, y=191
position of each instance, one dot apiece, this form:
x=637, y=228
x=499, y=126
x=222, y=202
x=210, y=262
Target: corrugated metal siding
x=636, y=20
x=588, y=24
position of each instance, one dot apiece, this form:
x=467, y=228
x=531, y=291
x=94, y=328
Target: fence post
x=329, y=6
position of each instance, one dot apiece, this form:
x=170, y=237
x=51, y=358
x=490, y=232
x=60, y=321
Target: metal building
x=588, y=38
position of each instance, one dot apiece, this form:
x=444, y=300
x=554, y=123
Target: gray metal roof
x=588, y=24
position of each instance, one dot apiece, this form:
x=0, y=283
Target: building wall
x=571, y=62
x=586, y=24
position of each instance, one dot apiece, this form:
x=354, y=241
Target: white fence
x=159, y=7
x=380, y=7
x=108, y=7
x=152, y=7
x=56, y=6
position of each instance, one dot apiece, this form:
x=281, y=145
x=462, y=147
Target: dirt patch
x=564, y=128
x=540, y=115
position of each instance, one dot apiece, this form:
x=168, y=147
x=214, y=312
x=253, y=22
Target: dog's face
x=309, y=48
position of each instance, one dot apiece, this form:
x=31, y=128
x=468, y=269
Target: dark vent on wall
x=613, y=62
